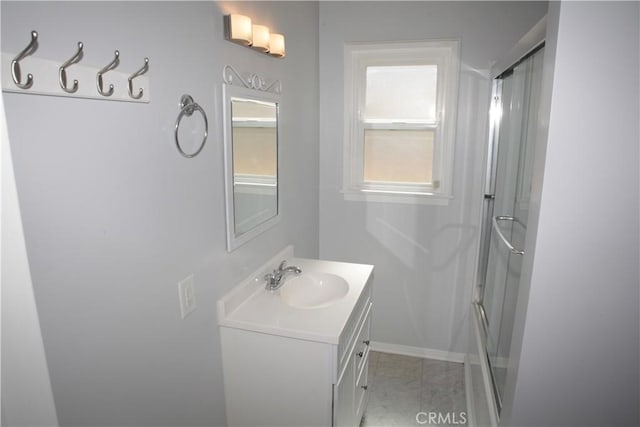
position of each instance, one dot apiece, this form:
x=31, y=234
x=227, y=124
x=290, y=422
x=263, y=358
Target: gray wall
x=114, y=217
x=424, y=255
x=27, y=398
x=576, y=343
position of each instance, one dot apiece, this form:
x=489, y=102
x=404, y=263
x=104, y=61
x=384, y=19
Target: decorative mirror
x=251, y=156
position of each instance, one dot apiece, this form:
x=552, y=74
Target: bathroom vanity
x=297, y=357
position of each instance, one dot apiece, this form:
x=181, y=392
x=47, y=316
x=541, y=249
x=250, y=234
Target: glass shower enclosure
x=514, y=114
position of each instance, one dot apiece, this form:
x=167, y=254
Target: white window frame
x=357, y=56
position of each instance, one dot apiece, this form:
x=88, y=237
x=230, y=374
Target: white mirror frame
x=230, y=91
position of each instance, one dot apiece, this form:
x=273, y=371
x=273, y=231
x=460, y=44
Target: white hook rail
x=45, y=80
x=49, y=77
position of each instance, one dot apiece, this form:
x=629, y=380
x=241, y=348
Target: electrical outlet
x=187, y=294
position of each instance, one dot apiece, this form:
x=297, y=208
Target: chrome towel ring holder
x=187, y=108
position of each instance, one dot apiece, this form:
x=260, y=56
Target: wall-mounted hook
x=62, y=71
x=16, y=73
x=138, y=73
x=113, y=64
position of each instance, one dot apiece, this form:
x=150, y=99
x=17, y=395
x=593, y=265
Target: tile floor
x=403, y=387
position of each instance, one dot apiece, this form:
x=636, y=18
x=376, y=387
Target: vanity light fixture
x=260, y=38
x=276, y=45
x=239, y=29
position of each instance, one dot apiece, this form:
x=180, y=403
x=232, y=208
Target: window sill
x=432, y=199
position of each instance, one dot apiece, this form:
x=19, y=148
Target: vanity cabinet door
x=344, y=397
x=362, y=342
x=361, y=352
x=350, y=393
x=362, y=391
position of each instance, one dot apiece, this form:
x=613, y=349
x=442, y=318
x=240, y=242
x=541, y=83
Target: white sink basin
x=313, y=290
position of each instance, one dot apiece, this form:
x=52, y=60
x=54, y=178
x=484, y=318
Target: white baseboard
x=426, y=353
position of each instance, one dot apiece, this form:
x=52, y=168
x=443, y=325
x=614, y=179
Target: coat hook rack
x=50, y=76
x=138, y=73
x=62, y=72
x=99, y=80
x=16, y=72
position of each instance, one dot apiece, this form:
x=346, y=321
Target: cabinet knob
x=366, y=342
x=364, y=387
x=360, y=354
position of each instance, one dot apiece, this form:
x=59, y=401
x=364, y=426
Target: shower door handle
x=496, y=227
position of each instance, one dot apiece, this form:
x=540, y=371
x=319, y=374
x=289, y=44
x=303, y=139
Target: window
x=399, y=127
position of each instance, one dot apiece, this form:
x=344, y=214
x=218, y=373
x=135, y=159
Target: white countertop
x=251, y=307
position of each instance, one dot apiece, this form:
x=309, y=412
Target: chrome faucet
x=274, y=280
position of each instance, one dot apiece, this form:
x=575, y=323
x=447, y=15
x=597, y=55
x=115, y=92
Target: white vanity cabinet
x=287, y=368
x=350, y=393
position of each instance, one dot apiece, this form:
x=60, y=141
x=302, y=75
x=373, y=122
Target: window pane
x=398, y=156
x=401, y=93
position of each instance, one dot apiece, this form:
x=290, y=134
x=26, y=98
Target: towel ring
x=187, y=108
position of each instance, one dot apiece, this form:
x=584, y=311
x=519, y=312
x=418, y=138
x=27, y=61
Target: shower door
x=514, y=123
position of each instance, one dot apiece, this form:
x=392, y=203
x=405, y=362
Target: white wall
x=114, y=217
x=576, y=343
x=424, y=255
x=26, y=387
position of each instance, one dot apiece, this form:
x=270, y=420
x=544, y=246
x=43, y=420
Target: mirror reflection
x=250, y=162
x=255, y=162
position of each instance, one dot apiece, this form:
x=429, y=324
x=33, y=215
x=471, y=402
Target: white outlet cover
x=187, y=295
